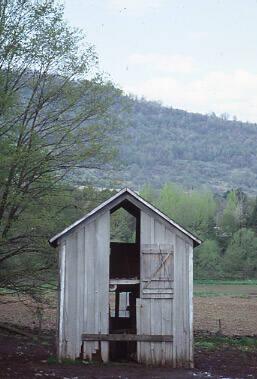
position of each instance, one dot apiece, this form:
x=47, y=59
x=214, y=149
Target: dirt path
x=21, y=359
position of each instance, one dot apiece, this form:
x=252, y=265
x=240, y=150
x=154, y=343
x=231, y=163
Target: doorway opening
x=124, y=278
x=125, y=242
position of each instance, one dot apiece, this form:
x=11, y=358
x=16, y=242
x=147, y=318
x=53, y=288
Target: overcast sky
x=197, y=55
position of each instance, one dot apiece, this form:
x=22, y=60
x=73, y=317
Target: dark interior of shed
x=124, y=277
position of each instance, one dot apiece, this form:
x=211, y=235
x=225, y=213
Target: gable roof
x=113, y=200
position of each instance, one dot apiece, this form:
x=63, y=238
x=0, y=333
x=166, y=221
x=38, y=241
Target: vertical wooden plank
x=146, y=237
x=170, y=236
x=187, y=334
x=159, y=238
x=156, y=328
x=167, y=329
x=80, y=288
x=163, y=331
x=97, y=245
x=61, y=326
x=159, y=232
x=144, y=325
x=184, y=306
x=174, y=319
x=138, y=320
x=190, y=290
x=181, y=303
x=102, y=279
x=85, y=295
x=71, y=288
x=170, y=239
x=89, y=347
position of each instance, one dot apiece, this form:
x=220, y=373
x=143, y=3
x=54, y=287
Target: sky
x=196, y=55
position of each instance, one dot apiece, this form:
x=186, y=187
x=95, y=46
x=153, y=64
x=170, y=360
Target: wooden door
x=154, y=308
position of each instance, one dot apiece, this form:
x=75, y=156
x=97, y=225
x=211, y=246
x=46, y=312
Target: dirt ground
x=235, y=308
x=237, y=315
x=22, y=359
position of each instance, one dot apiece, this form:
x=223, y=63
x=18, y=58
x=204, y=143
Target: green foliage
x=252, y=220
x=229, y=249
x=240, y=257
x=235, y=213
x=207, y=261
x=215, y=342
x=148, y=193
x=52, y=360
x=123, y=226
x=54, y=118
x=194, y=210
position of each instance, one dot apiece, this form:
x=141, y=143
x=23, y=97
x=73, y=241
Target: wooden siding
x=155, y=307
x=165, y=305
x=86, y=289
x=183, y=292
x=172, y=312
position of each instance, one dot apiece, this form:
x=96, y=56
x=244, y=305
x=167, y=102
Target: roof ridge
x=54, y=239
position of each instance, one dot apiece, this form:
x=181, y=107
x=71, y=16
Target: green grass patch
x=216, y=294
x=65, y=361
x=220, y=342
x=224, y=282
x=204, y=293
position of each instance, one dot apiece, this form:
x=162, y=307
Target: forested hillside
x=159, y=144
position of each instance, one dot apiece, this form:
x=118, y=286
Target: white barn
x=120, y=300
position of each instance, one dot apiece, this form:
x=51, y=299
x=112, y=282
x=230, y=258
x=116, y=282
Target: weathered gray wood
x=164, y=309
x=156, y=328
x=86, y=297
x=70, y=297
x=97, y=244
x=167, y=327
x=102, y=279
x=190, y=294
x=182, y=329
x=158, y=296
x=158, y=290
x=80, y=287
x=124, y=281
x=89, y=320
x=61, y=336
x=157, y=251
x=146, y=237
x=127, y=337
x=139, y=332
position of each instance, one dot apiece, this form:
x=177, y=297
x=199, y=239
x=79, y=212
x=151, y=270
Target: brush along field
x=226, y=307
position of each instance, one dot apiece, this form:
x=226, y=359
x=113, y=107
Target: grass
x=220, y=342
x=225, y=282
x=231, y=288
x=65, y=361
x=217, y=293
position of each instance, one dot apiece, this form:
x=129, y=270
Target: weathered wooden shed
x=120, y=300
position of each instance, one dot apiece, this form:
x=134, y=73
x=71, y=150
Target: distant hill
x=160, y=144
